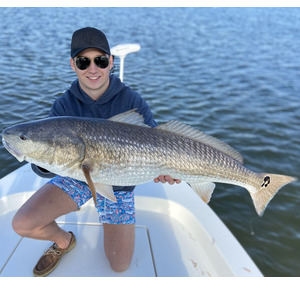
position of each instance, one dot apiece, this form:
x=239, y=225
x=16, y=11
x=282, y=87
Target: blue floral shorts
x=120, y=212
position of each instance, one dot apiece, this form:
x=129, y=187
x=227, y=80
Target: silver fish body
x=124, y=151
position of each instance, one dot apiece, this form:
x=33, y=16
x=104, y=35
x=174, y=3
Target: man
x=95, y=93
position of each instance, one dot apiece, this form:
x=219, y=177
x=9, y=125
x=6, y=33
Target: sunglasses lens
x=82, y=63
x=101, y=61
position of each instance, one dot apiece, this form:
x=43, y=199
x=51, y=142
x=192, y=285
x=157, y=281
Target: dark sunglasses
x=83, y=63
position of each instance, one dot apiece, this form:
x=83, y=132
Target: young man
x=95, y=93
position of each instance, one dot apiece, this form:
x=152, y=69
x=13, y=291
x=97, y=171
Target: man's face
x=93, y=80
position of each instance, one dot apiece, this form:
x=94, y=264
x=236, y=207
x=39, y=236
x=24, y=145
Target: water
x=231, y=72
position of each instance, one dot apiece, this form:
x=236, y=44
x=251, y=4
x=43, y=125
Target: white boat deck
x=176, y=235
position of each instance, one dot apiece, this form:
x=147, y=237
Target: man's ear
x=72, y=64
x=111, y=62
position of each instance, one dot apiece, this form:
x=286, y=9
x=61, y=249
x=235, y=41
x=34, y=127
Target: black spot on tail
x=266, y=182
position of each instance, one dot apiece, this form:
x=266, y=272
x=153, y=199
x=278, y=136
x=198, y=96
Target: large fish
x=123, y=151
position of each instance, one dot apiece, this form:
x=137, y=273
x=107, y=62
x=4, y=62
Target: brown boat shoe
x=50, y=259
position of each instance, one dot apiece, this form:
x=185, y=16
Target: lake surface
x=231, y=72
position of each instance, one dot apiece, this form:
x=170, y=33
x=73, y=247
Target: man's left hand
x=166, y=178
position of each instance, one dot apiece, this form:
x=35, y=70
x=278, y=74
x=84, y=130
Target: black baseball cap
x=88, y=37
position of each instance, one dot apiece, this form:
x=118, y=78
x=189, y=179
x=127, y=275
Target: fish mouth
x=19, y=156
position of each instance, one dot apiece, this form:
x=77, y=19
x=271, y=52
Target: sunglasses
x=83, y=63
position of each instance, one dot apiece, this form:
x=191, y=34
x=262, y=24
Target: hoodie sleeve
x=144, y=110
x=130, y=99
x=42, y=172
x=58, y=108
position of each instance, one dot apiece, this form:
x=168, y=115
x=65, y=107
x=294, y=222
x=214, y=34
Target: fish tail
x=268, y=186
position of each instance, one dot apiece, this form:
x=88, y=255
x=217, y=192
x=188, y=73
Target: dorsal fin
x=130, y=117
x=188, y=131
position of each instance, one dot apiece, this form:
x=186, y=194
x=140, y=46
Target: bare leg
x=119, y=245
x=36, y=218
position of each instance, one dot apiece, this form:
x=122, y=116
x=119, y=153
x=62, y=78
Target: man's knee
x=119, y=263
x=119, y=268
x=24, y=224
x=20, y=224
x=119, y=245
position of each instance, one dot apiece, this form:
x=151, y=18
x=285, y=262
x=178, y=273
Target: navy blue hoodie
x=117, y=99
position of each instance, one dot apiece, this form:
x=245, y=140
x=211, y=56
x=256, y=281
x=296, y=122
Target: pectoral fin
x=103, y=189
x=86, y=171
x=204, y=190
x=106, y=191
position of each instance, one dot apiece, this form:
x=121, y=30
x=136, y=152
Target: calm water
x=233, y=73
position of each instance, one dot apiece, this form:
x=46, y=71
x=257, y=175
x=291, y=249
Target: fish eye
x=23, y=137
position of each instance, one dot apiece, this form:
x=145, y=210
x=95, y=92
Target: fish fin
x=203, y=189
x=106, y=191
x=269, y=185
x=195, y=134
x=86, y=171
x=130, y=117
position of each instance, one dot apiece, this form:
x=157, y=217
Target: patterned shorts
x=120, y=212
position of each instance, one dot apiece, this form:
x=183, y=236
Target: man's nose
x=93, y=67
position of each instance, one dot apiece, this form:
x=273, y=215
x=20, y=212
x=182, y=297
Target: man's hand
x=166, y=178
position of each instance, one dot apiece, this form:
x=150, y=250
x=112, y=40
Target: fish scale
x=123, y=151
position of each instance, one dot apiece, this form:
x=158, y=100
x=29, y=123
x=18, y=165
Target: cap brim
x=75, y=53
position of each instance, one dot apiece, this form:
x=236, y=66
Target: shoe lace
x=53, y=251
